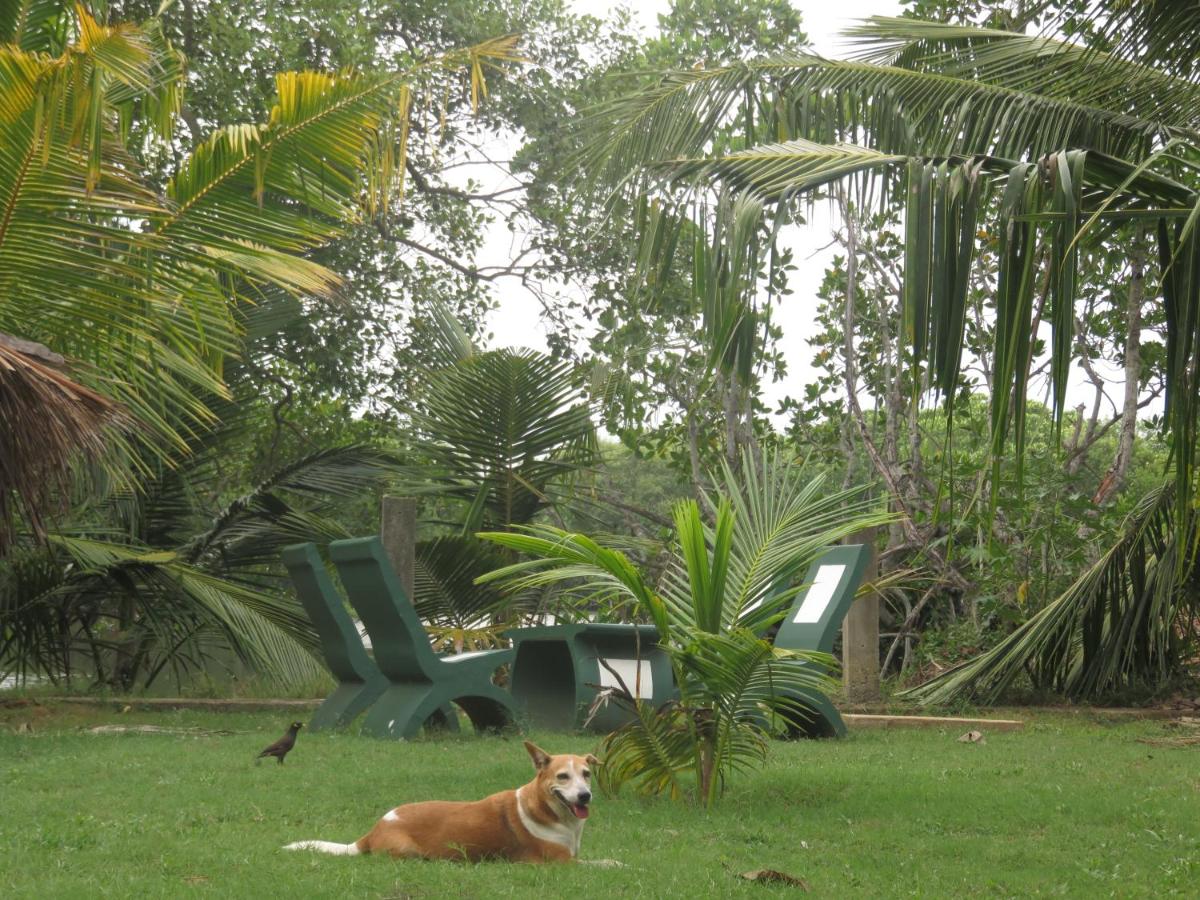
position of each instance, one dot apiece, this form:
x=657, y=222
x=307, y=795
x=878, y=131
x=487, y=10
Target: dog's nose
x=585, y=796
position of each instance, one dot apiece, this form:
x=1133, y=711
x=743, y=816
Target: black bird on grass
x=281, y=747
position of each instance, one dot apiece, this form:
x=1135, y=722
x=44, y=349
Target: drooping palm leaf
x=1121, y=624
x=262, y=521
x=50, y=420
x=1038, y=63
x=266, y=630
x=1062, y=139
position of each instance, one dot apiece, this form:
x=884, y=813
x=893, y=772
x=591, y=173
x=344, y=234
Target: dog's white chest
x=566, y=835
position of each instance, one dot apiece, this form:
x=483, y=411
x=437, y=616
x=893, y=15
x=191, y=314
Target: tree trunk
x=706, y=777
x=1114, y=478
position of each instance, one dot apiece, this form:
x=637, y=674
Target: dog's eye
x=563, y=776
x=587, y=774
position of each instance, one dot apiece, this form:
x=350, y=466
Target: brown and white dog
x=541, y=821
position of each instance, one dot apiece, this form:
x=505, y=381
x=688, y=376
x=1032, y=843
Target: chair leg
x=444, y=718
x=401, y=710
x=488, y=710
x=816, y=717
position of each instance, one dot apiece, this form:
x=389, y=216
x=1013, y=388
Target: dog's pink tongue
x=581, y=811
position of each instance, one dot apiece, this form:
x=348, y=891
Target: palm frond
x=269, y=631
x=577, y=564
x=896, y=110
x=1047, y=66
x=1165, y=31
x=1119, y=625
x=140, y=296
x=446, y=592
x=500, y=429
x=777, y=171
x=50, y=422
x=34, y=25
x=263, y=521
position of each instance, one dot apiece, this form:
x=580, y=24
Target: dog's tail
x=335, y=849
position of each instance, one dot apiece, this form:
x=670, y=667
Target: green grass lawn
x=1068, y=807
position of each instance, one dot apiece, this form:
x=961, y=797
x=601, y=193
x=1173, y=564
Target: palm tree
x=123, y=309
x=133, y=290
x=143, y=582
x=711, y=606
x=502, y=433
x=499, y=435
x=1041, y=141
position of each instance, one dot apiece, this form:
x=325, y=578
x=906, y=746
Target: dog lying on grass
x=541, y=821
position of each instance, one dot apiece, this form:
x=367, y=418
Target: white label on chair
x=819, y=594
x=628, y=670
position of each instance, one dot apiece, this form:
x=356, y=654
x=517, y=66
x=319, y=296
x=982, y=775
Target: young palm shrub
x=500, y=433
x=730, y=579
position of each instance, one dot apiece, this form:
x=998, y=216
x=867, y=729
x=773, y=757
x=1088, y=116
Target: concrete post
x=398, y=532
x=860, y=634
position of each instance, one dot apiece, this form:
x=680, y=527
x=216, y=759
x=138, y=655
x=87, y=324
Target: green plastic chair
x=812, y=623
x=557, y=672
x=360, y=683
x=420, y=682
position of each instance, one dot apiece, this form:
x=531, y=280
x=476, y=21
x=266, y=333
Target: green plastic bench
x=812, y=623
x=360, y=683
x=420, y=682
x=557, y=668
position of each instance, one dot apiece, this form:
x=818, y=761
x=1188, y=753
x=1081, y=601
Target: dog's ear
x=591, y=760
x=540, y=757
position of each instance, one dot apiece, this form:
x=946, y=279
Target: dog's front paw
x=604, y=863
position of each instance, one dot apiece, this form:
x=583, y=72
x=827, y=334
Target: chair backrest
x=340, y=642
x=818, y=610
x=398, y=639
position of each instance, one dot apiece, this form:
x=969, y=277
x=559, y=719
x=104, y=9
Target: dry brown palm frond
x=47, y=421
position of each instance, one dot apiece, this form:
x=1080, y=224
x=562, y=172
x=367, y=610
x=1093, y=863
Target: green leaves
x=726, y=582
x=501, y=429
x=1179, y=259
x=1114, y=628
x=139, y=298
x=1067, y=136
x=779, y=171
x=942, y=210
x=705, y=577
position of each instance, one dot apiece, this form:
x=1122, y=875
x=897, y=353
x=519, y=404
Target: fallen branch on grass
x=155, y=729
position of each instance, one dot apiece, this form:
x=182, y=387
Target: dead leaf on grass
x=973, y=737
x=774, y=876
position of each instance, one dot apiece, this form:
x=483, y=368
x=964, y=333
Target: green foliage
x=653, y=354
x=711, y=606
x=156, y=583
x=500, y=429
x=1123, y=623
x=148, y=298
x=1051, y=145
